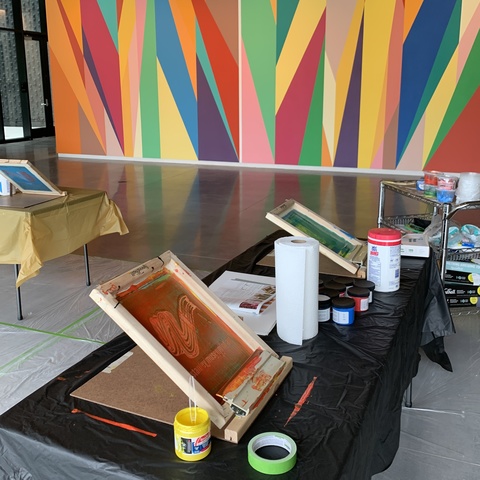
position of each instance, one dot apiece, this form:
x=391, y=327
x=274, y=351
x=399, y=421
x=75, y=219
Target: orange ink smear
x=302, y=400
x=116, y=424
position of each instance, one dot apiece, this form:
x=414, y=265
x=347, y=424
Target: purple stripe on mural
x=213, y=140
x=347, y=148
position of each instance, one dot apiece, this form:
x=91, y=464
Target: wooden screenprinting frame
x=140, y=302
x=309, y=224
x=27, y=178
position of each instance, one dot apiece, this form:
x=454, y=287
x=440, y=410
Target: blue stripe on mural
x=447, y=49
x=170, y=56
x=214, y=142
x=419, y=54
x=347, y=148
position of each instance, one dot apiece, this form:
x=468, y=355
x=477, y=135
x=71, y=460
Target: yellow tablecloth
x=30, y=236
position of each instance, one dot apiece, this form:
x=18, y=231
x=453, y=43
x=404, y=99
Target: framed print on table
x=26, y=178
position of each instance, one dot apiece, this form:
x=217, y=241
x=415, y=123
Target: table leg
x=87, y=267
x=408, y=396
x=19, y=298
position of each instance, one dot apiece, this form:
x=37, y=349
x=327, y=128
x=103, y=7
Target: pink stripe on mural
x=135, y=62
x=414, y=150
x=97, y=107
x=255, y=144
x=292, y=115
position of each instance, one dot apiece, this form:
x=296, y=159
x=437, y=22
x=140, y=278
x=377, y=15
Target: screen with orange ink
x=199, y=340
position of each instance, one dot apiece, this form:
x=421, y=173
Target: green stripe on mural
x=311, y=154
x=149, y=88
x=258, y=36
x=468, y=83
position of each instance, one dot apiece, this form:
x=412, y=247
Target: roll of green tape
x=265, y=465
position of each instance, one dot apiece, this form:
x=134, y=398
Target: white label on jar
x=384, y=267
x=324, y=315
x=363, y=304
x=342, y=317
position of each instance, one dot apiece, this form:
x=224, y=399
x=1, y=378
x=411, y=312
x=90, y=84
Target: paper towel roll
x=296, y=279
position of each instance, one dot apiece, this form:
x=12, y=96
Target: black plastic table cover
x=349, y=428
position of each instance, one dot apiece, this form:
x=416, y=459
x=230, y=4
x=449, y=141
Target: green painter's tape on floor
x=52, y=337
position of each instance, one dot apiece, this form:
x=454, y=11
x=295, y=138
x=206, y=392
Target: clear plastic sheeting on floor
x=440, y=434
x=61, y=323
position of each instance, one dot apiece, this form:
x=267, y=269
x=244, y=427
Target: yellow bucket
x=191, y=429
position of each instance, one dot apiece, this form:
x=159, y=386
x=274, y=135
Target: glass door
x=38, y=82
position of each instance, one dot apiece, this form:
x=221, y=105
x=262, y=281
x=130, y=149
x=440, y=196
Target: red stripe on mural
x=292, y=115
x=224, y=66
x=105, y=69
x=462, y=143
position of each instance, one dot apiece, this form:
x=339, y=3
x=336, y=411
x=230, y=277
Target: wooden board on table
x=136, y=385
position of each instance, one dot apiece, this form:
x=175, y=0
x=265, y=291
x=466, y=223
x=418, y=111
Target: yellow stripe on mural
x=345, y=67
x=184, y=16
x=303, y=25
x=469, y=9
x=436, y=109
x=174, y=140
x=126, y=37
x=378, y=20
x=137, y=143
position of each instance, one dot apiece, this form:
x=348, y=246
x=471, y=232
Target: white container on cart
x=383, y=258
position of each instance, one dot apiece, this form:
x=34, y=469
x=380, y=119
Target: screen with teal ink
x=23, y=178
x=323, y=234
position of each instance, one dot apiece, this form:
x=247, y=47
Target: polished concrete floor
x=208, y=214
x=204, y=214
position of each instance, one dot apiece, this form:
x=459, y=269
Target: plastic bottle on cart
x=383, y=262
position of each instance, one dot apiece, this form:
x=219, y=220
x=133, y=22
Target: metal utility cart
x=407, y=188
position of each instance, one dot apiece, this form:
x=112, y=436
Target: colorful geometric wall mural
x=369, y=84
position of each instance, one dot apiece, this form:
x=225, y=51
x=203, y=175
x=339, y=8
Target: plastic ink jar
x=360, y=296
x=329, y=293
x=383, y=261
x=343, y=310
x=445, y=196
x=370, y=286
x=339, y=287
x=431, y=181
x=347, y=281
x=191, y=429
x=324, y=308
